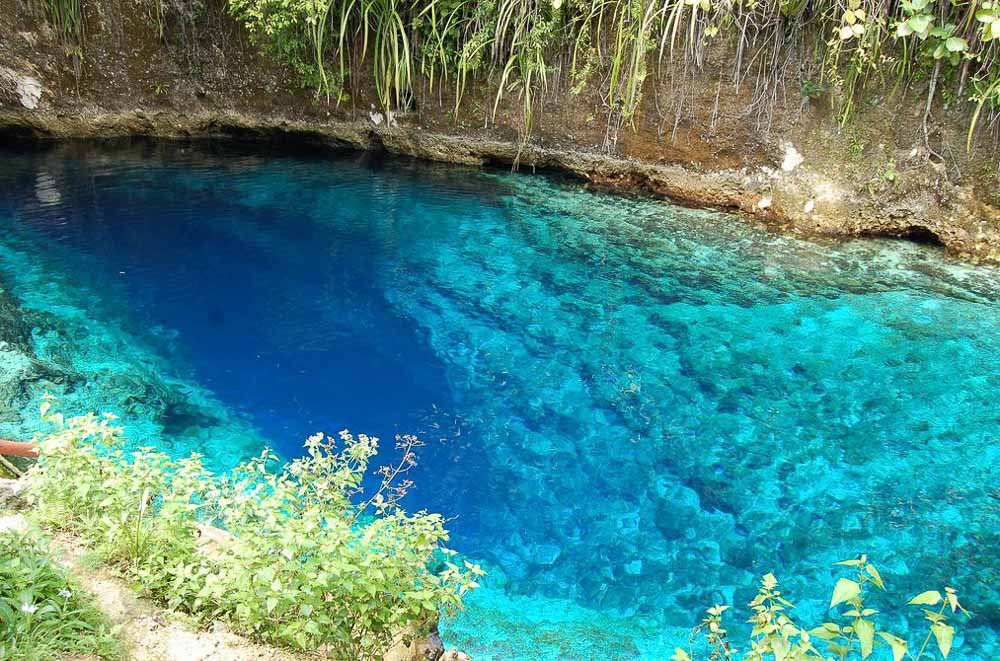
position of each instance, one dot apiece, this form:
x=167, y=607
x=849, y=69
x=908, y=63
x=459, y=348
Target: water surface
x=631, y=409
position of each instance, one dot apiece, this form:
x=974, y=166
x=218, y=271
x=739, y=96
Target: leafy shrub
x=776, y=635
x=303, y=561
x=41, y=613
x=294, y=32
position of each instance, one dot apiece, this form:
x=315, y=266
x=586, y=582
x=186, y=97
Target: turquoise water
x=631, y=409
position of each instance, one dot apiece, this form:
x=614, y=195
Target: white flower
x=65, y=594
x=29, y=608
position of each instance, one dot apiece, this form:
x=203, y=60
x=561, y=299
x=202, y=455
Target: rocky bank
x=795, y=169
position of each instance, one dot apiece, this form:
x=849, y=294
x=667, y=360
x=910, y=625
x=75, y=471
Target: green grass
x=66, y=18
x=43, y=614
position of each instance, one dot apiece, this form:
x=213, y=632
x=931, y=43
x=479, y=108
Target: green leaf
x=920, y=23
x=845, y=590
x=849, y=563
x=840, y=650
x=866, y=636
x=944, y=635
x=271, y=604
x=826, y=631
x=929, y=598
x=898, y=645
x=876, y=577
x=956, y=45
x=680, y=655
x=932, y=616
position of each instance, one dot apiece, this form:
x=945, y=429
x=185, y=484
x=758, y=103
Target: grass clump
x=42, y=613
x=66, y=18
x=297, y=555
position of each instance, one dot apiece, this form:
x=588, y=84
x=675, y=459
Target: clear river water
x=631, y=409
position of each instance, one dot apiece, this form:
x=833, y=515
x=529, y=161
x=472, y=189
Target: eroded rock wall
x=699, y=140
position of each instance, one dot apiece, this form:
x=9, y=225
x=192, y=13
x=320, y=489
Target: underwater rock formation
x=56, y=337
x=657, y=404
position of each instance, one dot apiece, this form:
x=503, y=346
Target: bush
x=41, y=613
x=776, y=635
x=303, y=561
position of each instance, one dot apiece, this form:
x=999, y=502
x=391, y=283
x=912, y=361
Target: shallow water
x=632, y=409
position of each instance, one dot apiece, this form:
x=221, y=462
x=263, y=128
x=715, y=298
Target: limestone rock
x=455, y=655
x=26, y=89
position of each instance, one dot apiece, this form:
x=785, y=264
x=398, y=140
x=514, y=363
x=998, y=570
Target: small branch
x=11, y=467
x=927, y=108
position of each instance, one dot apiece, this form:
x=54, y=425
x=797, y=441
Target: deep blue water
x=631, y=409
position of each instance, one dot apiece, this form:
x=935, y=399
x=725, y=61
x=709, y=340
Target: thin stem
x=930, y=632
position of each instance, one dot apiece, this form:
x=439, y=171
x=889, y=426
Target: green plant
x=517, y=48
x=288, y=30
x=775, y=635
x=306, y=560
x=985, y=93
x=811, y=90
x=889, y=173
x=857, y=144
x=42, y=614
x=66, y=17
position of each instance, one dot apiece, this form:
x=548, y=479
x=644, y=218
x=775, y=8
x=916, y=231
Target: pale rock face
x=827, y=192
x=810, y=206
x=455, y=655
x=793, y=158
x=29, y=91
